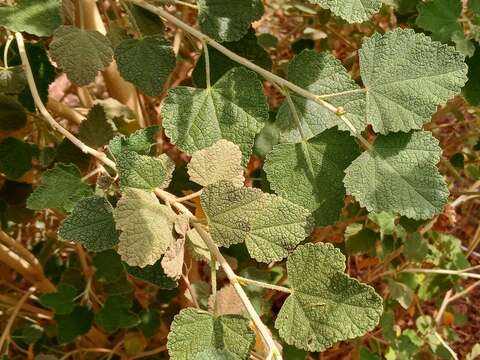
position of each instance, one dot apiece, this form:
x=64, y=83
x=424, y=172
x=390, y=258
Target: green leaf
x=471, y=91
x=15, y=157
x=32, y=333
x=146, y=63
x=116, y=314
x=80, y=53
x=401, y=293
x=227, y=332
x=228, y=22
x=399, y=175
x=141, y=141
x=148, y=23
x=246, y=47
x=407, y=75
x=60, y=188
x=36, y=17
x=198, y=249
x=146, y=225
x=109, y=267
x=61, y=301
x=73, y=325
x=144, y=172
x=310, y=173
x=12, y=80
x=215, y=355
x=221, y=161
x=96, y=130
x=149, y=322
x=326, y=305
x=361, y=242
x=440, y=17
x=12, y=114
x=197, y=118
x=320, y=74
x=153, y=274
x=353, y=11
x=269, y=225
x=91, y=224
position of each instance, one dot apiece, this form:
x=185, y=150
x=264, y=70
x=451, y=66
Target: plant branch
x=340, y=112
x=207, y=64
x=274, y=352
x=246, y=281
x=41, y=107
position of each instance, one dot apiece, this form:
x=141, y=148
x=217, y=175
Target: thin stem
x=41, y=107
x=443, y=271
x=340, y=112
x=6, y=49
x=189, y=196
x=190, y=290
x=207, y=63
x=246, y=281
x=446, y=346
x=11, y=320
x=184, y=3
x=213, y=278
x=342, y=93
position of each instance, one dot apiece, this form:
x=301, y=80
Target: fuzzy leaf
x=407, y=75
x=326, y=305
x=440, y=17
x=198, y=248
x=215, y=355
x=195, y=118
x=144, y=172
x=36, y=17
x=227, y=332
x=228, y=22
x=109, y=267
x=353, y=11
x=148, y=23
x=91, y=224
x=61, y=301
x=80, y=53
x=399, y=175
x=115, y=314
x=221, y=161
x=146, y=62
x=310, y=173
x=320, y=74
x=96, y=131
x=172, y=261
x=141, y=141
x=269, y=225
x=60, y=188
x=146, y=227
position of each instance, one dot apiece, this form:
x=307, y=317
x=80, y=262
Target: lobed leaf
x=399, y=175
x=146, y=227
x=146, y=62
x=60, y=188
x=115, y=314
x=353, y=11
x=96, y=130
x=91, y=224
x=221, y=161
x=316, y=168
x=269, y=225
x=196, y=118
x=35, y=17
x=325, y=305
x=227, y=332
x=80, y=53
x=407, y=75
x=144, y=172
x=320, y=74
x=228, y=22
x=61, y=301
x=440, y=17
